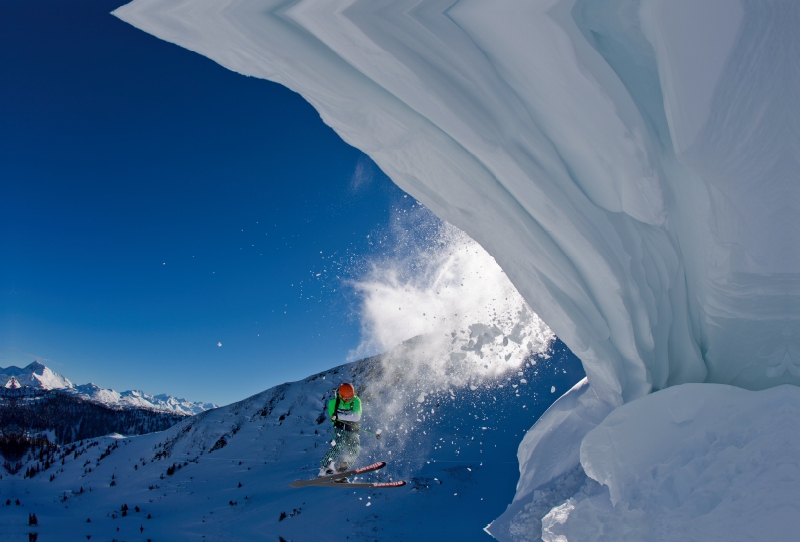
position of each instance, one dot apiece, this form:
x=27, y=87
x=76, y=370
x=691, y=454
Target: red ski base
x=368, y=468
x=377, y=485
x=335, y=480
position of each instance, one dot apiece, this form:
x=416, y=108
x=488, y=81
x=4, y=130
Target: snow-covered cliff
x=631, y=164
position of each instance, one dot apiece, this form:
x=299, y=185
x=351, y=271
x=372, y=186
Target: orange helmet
x=347, y=391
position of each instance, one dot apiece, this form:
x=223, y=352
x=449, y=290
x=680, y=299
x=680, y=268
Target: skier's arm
x=332, y=409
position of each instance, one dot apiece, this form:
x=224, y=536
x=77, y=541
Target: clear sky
x=154, y=205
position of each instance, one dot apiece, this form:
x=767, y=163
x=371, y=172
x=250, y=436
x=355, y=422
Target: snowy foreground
x=632, y=165
x=455, y=445
x=695, y=462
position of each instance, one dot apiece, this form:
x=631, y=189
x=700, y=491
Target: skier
x=344, y=411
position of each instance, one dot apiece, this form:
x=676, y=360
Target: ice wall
x=632, y=165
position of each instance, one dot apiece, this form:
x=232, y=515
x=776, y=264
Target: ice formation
x=722, y=457
x=631, y=164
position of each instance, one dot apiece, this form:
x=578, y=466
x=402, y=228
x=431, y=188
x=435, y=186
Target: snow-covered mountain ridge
x=223, y=475
x=39, y=377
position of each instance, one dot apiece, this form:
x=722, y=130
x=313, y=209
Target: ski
x=376, y=485
x=330, y=480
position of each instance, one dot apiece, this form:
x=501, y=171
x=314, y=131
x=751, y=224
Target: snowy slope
x=454, y=444
x=39, y=377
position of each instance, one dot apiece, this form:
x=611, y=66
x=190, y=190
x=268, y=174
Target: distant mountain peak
x=34, y=375
x=35, y=366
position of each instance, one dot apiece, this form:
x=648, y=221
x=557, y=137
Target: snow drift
x=721, y=457
x=631, y=164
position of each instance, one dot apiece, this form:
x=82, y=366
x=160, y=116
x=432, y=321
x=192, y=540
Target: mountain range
x=37, y=376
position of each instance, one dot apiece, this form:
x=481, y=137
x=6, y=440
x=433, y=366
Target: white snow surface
x=568, y=420
x=694, y=462
x=38, y=376
x=689, y=471
x=632, y=166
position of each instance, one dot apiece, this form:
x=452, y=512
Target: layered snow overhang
x=631, y=164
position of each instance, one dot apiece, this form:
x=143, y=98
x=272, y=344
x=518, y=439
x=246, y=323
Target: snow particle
x=553, y=389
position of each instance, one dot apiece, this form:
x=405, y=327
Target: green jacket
x=349, y=411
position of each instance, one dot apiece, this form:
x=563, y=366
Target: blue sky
x=155, y=204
